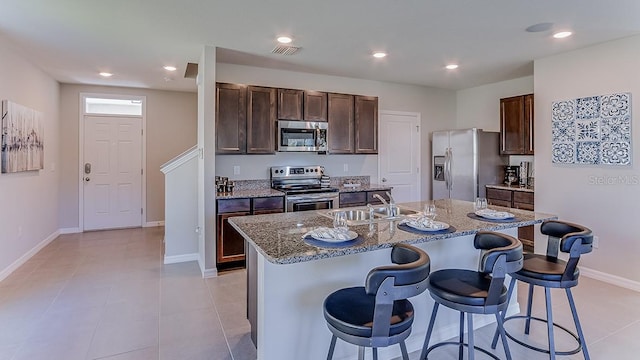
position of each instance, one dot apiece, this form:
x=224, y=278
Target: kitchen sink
x=353, y=214
x=401, y=211
x=358, y=216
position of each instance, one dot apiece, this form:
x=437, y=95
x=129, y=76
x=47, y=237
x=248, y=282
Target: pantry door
x=112, y=172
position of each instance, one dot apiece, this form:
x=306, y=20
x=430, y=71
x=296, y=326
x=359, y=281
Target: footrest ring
x=435, y=346
x=546, y=351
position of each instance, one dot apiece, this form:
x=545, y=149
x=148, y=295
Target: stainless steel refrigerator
x=464, y=161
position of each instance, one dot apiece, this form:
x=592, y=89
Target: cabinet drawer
x=499, y=194
x=372, y=200
x=499, y=202
x=523, y=197
x=233, y=205
x=268, y=203
x=522, y=206
x=353, y=199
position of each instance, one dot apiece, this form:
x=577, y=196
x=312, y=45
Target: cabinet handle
x=530, y=126
x=502, y=127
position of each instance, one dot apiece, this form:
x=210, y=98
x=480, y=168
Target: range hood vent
x=285, y=50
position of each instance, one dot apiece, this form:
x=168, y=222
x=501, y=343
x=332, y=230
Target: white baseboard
x=24, y=258
x=70, y=231
x=209, y=273
x=153, y=223
x=180, y=258
x=610, y=279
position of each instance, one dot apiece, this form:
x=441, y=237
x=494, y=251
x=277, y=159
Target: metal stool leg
x=403, y=348
x=423, y=354
x=471, y=347
x=527, y=325
x=552, y=346
x=501, y=332
x=512, y=284
x=360, y=352
x=375, y=353
x=332, y=347
x=461, y=346
x=574, y=312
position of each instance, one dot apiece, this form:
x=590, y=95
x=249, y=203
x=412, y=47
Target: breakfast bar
x=289, y=275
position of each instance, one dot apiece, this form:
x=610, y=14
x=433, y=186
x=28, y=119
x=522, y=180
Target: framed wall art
x=22, y=138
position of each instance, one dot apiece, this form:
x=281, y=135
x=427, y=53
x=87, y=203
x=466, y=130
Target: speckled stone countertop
x=250, y=193
x=278, y=237
x=511, y=187
x=363, y=187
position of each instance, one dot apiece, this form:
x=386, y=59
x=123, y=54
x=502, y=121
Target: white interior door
x=399, y=154
x=112, y=173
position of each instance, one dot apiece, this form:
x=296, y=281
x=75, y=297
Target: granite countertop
x=363, y=187
x=278, y=237
x=511, y=187
x=249, y=193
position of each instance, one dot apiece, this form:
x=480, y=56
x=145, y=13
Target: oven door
x=304, y=202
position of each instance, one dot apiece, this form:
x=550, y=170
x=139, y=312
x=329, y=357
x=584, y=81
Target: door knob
x=87, y=179
x=384, y=180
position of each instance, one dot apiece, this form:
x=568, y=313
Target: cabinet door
x=231, y=118
x=261, y=120
x=512, y=126
x=230, y=244
x=366, y=120
x=528, y=124
x=290, y=104
x=353, y=199
x=268, y=205
x=340, y=116
x=315, y=106
x=373, y=200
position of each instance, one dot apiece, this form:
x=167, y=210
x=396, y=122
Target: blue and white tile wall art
x=592, y=130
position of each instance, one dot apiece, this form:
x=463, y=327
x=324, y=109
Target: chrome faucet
x=391, y=205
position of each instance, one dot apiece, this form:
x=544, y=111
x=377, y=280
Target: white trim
x=24, y=258
x=81, y=116
x=610, y=279
x=70, y=231
x=153, y=224
x=177, y=161
x=209, y=273
x=180, y=258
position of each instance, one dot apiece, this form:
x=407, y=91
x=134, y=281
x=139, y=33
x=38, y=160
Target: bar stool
x=379, y=314
x=476, y=292
x=550, y=272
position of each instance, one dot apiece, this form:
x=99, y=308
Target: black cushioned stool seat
x=379, y=314
x=550, y=272
x=480, y=292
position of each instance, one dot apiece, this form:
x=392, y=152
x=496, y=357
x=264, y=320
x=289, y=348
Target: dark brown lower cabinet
x=518, y=200
x=230, y=242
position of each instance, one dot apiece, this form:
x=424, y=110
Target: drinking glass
x=480, y=204
x=340, y=221
x=430, y=212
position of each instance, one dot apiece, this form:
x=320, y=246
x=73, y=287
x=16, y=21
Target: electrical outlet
x=236, y=170
x=345, y=167
x=596, y=242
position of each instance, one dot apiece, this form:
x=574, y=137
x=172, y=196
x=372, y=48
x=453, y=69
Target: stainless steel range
x=303, y=188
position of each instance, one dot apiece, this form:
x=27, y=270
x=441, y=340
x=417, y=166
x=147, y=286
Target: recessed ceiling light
x=379, y=54
x=562, y=34
x=170, y=68
x=106, y=74
x=284, y=40
x=451, y=67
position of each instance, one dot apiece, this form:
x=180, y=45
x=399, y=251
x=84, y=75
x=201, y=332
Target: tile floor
x=107, y=295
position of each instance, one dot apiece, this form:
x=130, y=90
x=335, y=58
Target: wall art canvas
x=22, y=138
x=594, y=130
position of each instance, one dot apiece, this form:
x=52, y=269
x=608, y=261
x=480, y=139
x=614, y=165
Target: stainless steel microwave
x=302, y=135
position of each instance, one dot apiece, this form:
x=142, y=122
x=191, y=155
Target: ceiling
x=73, y=40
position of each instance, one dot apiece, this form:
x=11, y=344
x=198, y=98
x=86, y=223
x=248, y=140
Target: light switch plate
x=236, y=170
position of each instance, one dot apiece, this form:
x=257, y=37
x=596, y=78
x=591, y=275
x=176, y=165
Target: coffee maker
x=511, y=174
x=525, y=167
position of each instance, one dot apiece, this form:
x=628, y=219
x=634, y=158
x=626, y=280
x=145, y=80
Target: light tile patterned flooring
x=107, y=295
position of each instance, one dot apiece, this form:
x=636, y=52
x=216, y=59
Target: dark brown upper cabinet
x=290, y=104
x=341, y=124
x=516, y=125
x=366, y=124
x=231, y=118
x=261, y=120
x=315, y=106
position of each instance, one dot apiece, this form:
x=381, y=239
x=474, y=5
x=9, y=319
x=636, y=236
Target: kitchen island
x=288, y=277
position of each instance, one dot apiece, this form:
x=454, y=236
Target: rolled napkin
x=425, y=222
x=328, y=233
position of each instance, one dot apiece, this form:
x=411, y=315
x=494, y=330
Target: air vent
x=285, y=50
x=191, y=71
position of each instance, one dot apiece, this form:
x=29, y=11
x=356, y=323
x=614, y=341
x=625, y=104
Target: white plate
x=494, y=215
x=351, y=235
x=438, y=226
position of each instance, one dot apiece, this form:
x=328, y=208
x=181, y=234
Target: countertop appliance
x=302, y=136
x=464, y=161
x=525, y=168
x=511, y=174
x=303, y=188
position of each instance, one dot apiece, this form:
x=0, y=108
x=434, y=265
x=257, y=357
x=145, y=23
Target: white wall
x=29, y=211
x=610, y=210
x=480, y=106
x=181, y=211
x=436, y=106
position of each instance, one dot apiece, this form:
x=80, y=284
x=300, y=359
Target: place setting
x=336, y=237
x=483, y=213
x=425, y=223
